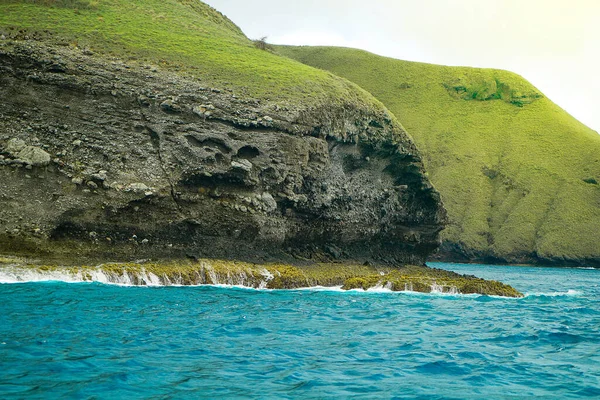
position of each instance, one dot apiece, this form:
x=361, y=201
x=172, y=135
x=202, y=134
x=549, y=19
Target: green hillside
x=186, y=36
x=518, y=175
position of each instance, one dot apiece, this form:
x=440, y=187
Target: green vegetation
x=186, y=36
x=517, y=174
x=277, y=276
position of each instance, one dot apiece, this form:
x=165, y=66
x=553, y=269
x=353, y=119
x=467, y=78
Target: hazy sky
x=555, y=44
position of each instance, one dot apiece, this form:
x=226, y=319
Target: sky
x=554, y=44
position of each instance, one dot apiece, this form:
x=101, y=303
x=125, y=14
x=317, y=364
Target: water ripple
x=89, y=340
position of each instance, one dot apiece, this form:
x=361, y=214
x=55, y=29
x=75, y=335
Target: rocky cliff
x=518, y=175
x=106, y=157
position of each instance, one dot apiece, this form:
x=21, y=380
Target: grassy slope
x=185, y=35
x=510, y=164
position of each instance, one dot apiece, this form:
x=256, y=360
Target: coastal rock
x=29, y=155
x=313, y=182
x=197, y=271
x=243, y=165
x=137, y=187
x=170, y=106
x=204, y=110
x=14, y=146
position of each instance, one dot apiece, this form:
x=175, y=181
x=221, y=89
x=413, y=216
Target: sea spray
x=267, y=276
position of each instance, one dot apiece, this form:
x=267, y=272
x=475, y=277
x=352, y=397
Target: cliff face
x=107, y=158
x=517, y=174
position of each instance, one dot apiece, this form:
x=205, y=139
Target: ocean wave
x=71, y=280
x=569, y=292
x=145, y=278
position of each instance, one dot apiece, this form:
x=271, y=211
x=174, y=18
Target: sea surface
x=90, y=340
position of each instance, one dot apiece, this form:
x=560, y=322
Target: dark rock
x=28, y=155
x=222, y=185
x=334, y=251
x=144, y=101
x=170, y=106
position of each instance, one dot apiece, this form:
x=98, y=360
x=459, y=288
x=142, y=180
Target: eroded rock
x=29, y=155
x=252, y=181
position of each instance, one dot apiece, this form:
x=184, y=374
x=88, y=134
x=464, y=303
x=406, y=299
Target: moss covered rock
x=263, y=276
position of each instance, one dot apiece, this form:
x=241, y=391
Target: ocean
x=92, y=340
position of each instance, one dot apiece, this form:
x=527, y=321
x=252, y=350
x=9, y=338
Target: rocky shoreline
x=260, y=276
x=454, y=253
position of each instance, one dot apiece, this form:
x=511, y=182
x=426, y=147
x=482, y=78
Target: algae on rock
x=261, y=276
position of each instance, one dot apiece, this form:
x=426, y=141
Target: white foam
x=439, y=289
x=569, y=292
x=21, y=275
x=322, y=289
x=25, y=275
x=143, y=278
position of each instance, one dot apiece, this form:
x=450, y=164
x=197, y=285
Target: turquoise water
x=86, y=340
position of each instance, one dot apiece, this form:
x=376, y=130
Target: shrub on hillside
x=262, y=44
